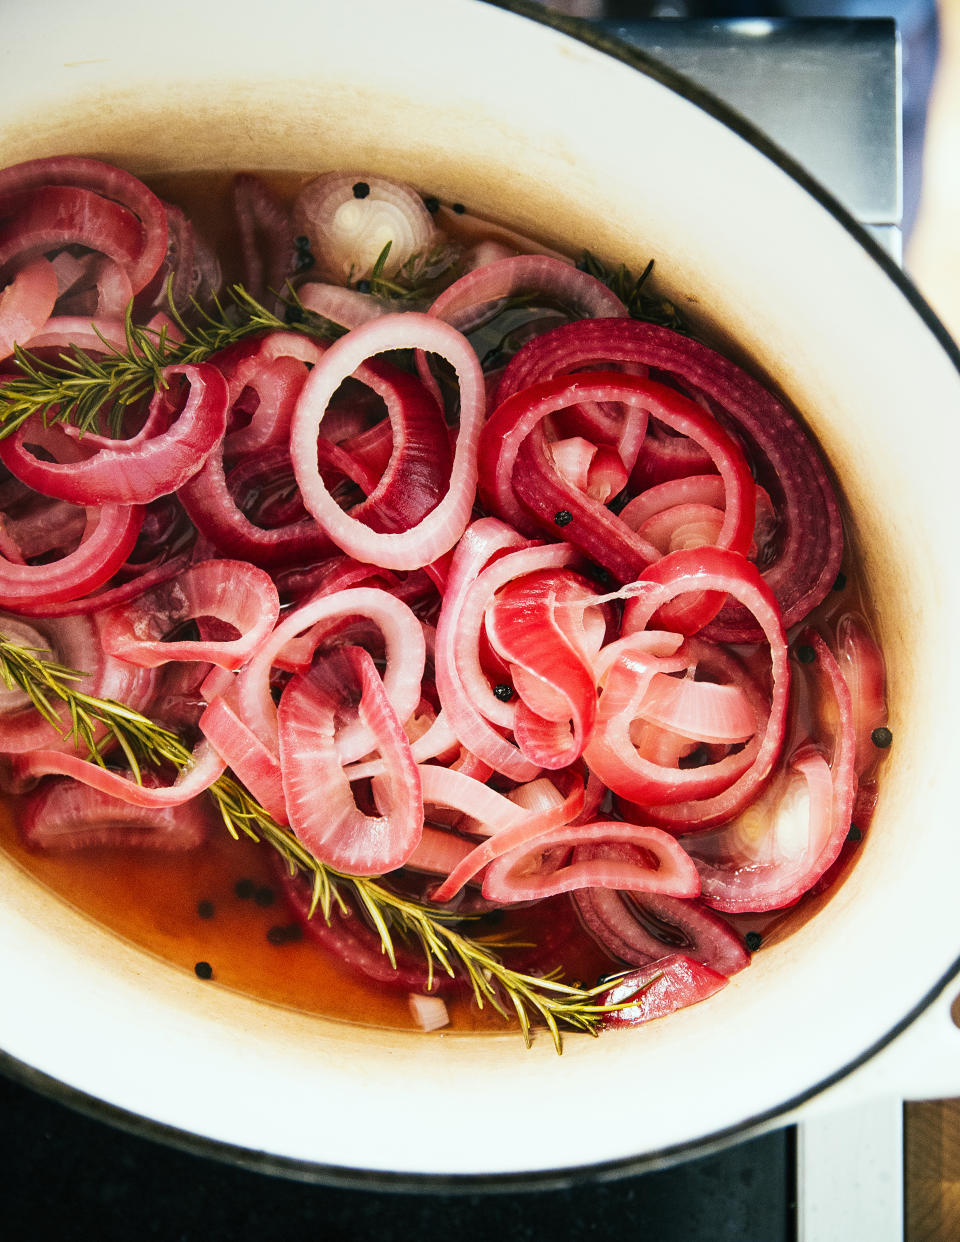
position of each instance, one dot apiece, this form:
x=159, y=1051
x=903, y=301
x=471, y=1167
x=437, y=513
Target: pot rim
x=355, y=1178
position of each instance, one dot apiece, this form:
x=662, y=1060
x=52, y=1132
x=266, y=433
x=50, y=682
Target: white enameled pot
x=559, y=139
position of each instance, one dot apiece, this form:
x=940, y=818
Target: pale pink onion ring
x=517, y=876
x=207, y=766
x=235, y=592
x=439, y=531
x=406, y=657
x=481, y=541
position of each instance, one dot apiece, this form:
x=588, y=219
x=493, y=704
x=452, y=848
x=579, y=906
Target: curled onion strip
x=206, y=768
x=405, y=654
x=232, y=591
x=143, y=468
x=332, y=827
x=482, y=541
x=26, y=304
x=109, y=536
x=518, y=875
x=64, y=815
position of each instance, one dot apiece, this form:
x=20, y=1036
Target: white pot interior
x=531, y=128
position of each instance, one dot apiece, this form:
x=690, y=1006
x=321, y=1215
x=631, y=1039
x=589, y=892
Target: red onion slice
x=789, y=464
x=674, y=982
x=143, y=468
x=332, y=828
x=233, y=592
x=439, y=531
x=518, y=875
x=109, y=536
x=113, y=185
x=639, y=928
x=26, y=304
x=193, y=780
x=65, y=816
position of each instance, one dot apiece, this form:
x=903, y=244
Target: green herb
x=416, y=278
x=640, y=302
x=94, y=393
x=91, y=721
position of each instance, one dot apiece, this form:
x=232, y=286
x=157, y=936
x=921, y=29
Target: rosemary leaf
x=640, y=302
x=93, y=394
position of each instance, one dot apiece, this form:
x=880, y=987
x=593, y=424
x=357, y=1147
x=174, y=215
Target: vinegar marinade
x=505, y=614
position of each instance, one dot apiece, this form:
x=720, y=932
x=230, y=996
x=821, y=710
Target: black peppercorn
x=432, y=204
x=563, y=518
x=459, y=208
x=360, y=189
x=362, y=286
x=806, y=654
x=203, y=970
x=854, y=834
x=503, y=692
x=753, y=940
x=881, y=737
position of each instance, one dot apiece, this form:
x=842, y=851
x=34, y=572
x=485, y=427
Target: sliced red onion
x=113, y=185
x=479, y=544
x=478, y=598
x=862, y=668
x=789, y=465
x=206, y=768
x=234, y=592
x=349, y=218
x=332, y=827
x=674, y=982
x=143, y=468
x=346, y=307
x=530, y=626
x=803, y=822
x=743, y=775
x=109, y=536
x=63, y=815
x=639, y=928
x=519, y=481
x=266, y=236
x=540, y=820
x=519, y=874
x=26, y=304
x=406, y=656
x=476, y=297
x=440, y=529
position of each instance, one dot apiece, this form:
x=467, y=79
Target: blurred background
x=930, y=41
x=933, y=251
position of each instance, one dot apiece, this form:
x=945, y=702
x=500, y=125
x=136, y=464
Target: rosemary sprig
x=640, y=302
x=89, y=392
x=445, y=948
